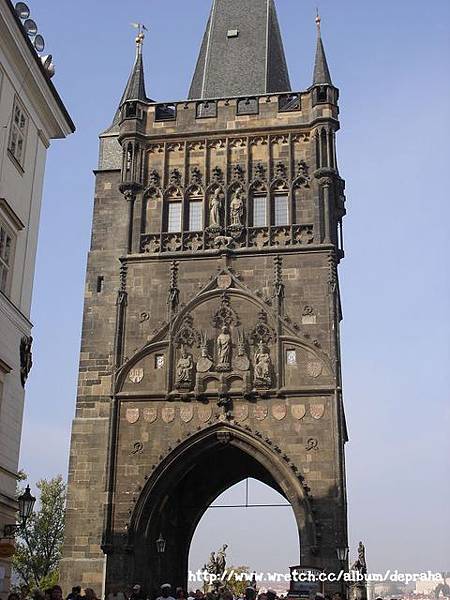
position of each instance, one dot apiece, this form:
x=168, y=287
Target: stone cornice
x=24, y=60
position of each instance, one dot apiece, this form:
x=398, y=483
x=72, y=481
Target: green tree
x=240, y=579
x=38, y=545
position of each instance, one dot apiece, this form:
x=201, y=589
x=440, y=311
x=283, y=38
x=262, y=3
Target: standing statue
x=185, y=366
x=215, y=208
x=360, y=564
x=262, y=366
x=204, y=363
x=216, y=566
x=221, y=559
x=237, y=208
x=224, y=350
x=26, y=358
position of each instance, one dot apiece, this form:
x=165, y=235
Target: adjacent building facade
x=210, y=346
x=31, y=114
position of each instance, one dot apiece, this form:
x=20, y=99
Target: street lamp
x=342, y=554
x=161, y=544
x=160, y=548
x=26, y=503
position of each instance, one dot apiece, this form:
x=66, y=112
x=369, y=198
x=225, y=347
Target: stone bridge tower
x=210, y=346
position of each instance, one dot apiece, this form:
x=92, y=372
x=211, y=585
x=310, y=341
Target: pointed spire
x=242, y=51
x=135, y=88
x=321, y=70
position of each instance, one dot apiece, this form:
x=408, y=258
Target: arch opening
x=253, y=520
x=187, y=482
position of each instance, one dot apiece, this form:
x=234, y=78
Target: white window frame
x=198, y=202
x=171, y=226
x=18, y=132
x=257, y=199
x=276, y=199
x=6, y=260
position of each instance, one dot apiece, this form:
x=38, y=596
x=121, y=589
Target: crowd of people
x=166, y=593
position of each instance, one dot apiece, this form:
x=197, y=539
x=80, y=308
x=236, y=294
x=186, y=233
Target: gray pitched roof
x=135, y=88
x=242, y=51
x=321, y=70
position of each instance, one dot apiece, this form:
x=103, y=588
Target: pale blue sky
x=391, y=63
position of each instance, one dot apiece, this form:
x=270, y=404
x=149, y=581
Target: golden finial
x=318, y=20
x=140, y=36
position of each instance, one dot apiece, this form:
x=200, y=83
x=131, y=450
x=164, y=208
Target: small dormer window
x=130, y=110
x=322, y=94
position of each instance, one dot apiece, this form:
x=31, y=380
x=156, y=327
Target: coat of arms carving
x=298, y=411
x=150, y=414
x=132, y=415
x=187, y=413
x=317, y=410
x=136, y=375
x=261, y=412
x=279, y=411
x=168, y=414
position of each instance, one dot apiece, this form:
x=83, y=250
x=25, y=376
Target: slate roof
x=321, y=70
x=241, y=53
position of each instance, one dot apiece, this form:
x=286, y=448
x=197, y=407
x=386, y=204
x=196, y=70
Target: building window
x=174, y=217
x=281, y=210
x=6, y=258
x=18, y=133
x=259, y=211
x=291, y=358
x=159, y=361
x=195, y=215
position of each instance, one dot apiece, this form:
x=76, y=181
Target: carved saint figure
x=221, y=559
x=224, y=350
x=263, y=365
x=360, y=564
x=185, y=366
x=215, y=207
x=237, y=207
x=26, y=358
x=204, y=363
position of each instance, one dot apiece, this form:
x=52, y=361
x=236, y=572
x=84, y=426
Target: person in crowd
x=90, y=594
x=271, y=594
x=48, y=593
x=262, y=596
x=137, y=593
x=13, y=596
x=56, y=593
x=115, y=594
x=179, y=594
x=166, y=592
x=75, y=593
x=199, y=595
x=38, y=595
x=250, y=593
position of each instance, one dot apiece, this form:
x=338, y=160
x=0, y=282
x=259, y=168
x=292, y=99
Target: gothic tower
x=210, y=347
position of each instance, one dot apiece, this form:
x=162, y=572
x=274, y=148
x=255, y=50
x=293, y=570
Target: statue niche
x=184, y=369
x=223, y=346
x=216, y=210
x=262, y=366
x=237, y=210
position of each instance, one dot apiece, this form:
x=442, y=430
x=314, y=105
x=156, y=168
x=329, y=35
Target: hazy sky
x=391, y=63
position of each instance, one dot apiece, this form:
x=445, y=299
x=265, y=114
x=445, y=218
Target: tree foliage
x=38, y=545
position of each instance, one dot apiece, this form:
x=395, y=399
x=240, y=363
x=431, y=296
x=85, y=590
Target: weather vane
x=141, y=35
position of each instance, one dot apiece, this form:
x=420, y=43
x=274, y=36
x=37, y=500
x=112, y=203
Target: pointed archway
x=184, y=485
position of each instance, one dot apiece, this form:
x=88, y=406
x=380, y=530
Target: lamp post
x=160, y=548
x=342, y=554
x=26, y=503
